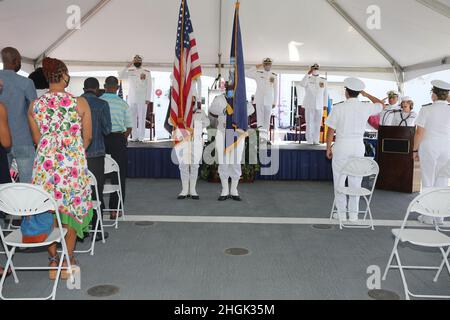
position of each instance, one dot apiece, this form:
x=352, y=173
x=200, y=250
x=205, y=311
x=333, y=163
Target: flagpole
x=181, y=116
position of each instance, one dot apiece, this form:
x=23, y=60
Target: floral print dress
x=60, y=165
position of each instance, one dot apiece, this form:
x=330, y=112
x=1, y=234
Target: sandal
x=52, y=273
x=7, y=273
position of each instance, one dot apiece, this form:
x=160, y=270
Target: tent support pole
x=436, y=6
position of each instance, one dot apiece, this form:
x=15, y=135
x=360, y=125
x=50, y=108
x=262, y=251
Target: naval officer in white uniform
x=230, y=162
x=316, y=99
x=348, y=120
x=266, y=97
x=432, y=140
x=387, y=117
x=139, y=95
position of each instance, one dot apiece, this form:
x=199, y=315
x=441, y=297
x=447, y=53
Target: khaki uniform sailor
x=266, y=97
x=348, y=119
x=432, y=141
x=140, y=93
x=316, y=99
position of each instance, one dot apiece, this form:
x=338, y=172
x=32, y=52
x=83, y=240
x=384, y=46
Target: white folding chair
x=359, y=168
x=434, y=204
x=111, y=167
x=444, y=173
x=25, y=200
x=98, y=212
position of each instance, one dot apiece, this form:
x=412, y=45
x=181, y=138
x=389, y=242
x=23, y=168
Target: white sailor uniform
x=349, y=120
x=316, y=98
x=229, y=162
x=140, y=91
x=266, y=96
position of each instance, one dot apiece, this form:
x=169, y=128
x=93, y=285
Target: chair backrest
x=111, y=165
x=445, y=171
x=93, y=184
x=361, y=167
x=435, y=203
x=20, y=199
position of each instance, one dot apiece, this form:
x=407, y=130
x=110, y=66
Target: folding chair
x=25, y=200
x=359, y=168
x=98, y=212
x=111, y=167
x=444, y=173
x=434, y=204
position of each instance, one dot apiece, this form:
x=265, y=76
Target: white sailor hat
x=406, y=98
x=393, y=93
x=354, y=84
x=441, y=85
x=137, y=58
x=267, y=61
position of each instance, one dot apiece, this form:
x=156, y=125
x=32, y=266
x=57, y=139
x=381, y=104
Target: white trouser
x=263, y=114
x=313, y=123
x=434, y=156
x=189, y=155
x=138, y=118
x=230, y=162
x=343, y=151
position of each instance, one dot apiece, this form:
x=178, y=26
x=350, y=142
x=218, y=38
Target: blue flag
x=237, y=117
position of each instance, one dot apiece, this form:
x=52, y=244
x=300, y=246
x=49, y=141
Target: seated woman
x=5, y=143
x=405, y=117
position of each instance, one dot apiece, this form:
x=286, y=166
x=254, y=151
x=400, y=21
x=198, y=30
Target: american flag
x=186, y=69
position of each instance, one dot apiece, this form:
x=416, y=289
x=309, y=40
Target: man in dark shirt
x=101, y=127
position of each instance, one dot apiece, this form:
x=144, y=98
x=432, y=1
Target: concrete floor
x=187, y=260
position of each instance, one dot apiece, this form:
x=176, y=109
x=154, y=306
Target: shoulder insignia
x=338, y=103
x=273, y=73
x=427, y=105
x=260, y=71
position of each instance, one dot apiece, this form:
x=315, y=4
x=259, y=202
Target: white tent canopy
x=412, y=40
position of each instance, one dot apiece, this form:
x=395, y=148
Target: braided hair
x=54, y=70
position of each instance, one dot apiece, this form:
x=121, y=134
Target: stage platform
x=297, y=162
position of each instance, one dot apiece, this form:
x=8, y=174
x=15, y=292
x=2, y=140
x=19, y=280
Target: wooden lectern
x=398, y=171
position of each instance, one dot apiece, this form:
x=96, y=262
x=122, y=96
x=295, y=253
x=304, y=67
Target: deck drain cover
x=237, y=252
x=383, y=295
x=103, y=291
x=323, y=227
x=144, y=224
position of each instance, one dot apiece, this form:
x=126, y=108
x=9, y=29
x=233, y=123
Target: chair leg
x=402, y=274
x=444, y=263
x=390, y=260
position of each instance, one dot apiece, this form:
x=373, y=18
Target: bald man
x=17, y=93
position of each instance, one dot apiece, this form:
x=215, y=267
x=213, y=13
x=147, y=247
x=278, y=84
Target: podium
x=398, y=171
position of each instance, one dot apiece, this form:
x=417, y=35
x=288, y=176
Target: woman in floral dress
x=62, y=130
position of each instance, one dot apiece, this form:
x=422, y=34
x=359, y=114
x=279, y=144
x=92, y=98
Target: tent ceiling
x=412, y=32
